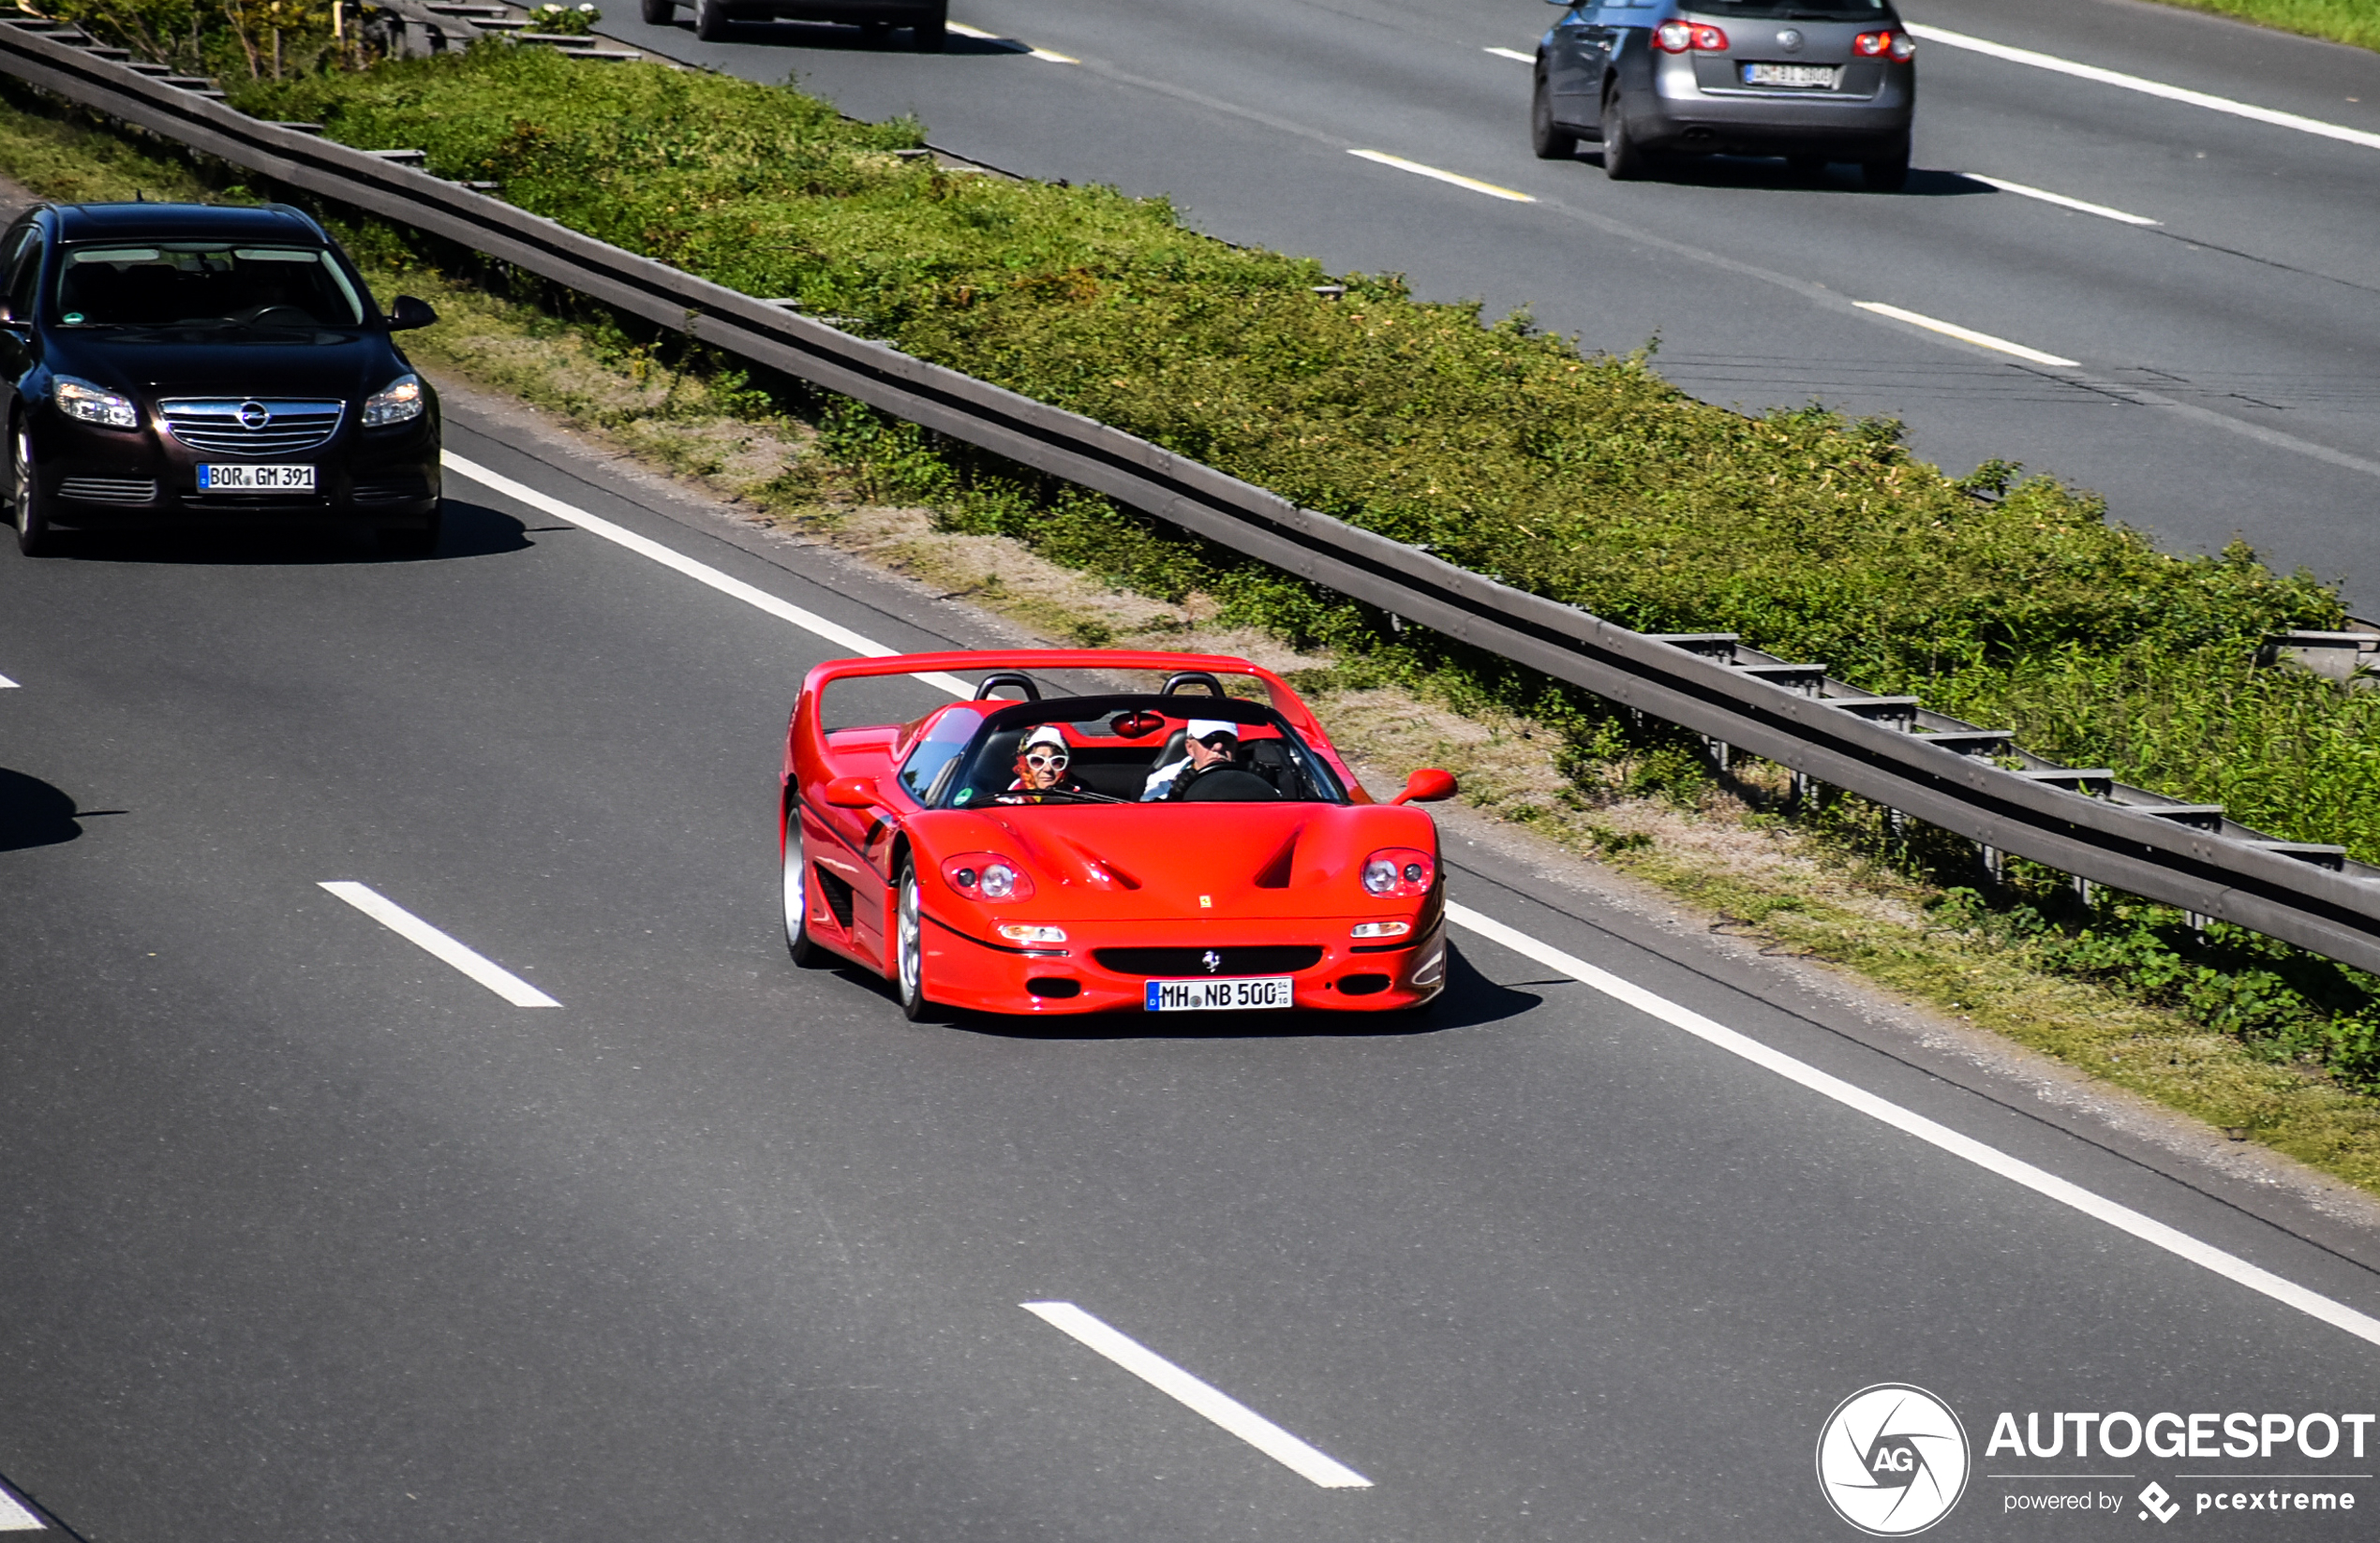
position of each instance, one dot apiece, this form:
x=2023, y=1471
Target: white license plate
x=1220, y=995
x=256, y=479
x=1820, y=76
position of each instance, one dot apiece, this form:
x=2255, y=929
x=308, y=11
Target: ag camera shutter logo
x=1892, y=1460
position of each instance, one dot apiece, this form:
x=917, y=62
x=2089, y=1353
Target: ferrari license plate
x=1808, y=77
x=256, y=479
x=1257, y=992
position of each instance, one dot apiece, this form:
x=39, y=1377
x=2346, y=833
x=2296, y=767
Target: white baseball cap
x=1204, y=728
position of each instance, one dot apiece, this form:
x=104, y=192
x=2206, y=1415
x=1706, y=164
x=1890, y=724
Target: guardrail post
x=1994, y=863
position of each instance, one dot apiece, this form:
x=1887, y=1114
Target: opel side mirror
x=410, y=313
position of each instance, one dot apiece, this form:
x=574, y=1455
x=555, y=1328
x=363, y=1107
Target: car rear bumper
x=1681, y=113
x=977, y=974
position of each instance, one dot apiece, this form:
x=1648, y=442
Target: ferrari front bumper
x=1106, y=966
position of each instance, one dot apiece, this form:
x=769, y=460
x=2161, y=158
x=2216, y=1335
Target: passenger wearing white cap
x=1042, y=760
x=1208, y=742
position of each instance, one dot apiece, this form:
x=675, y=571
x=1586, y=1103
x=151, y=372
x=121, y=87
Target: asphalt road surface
x=307, y=1235
x=2225, y=375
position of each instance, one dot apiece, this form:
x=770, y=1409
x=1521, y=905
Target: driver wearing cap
x=1209, y=743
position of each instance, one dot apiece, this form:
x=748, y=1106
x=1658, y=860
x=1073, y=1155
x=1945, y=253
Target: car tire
x=1623, y=161
x=1887, y=170
x=933, y=33
x=803, y=948
x=413, y=541
x=909, y=948
x=28, y=511
x=658, y=13
x=1549, y=141
x=711, y=21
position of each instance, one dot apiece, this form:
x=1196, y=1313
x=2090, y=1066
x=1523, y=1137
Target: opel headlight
x=82, y=400
x=401, y=403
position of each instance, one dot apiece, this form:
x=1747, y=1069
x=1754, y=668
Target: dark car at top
x=1813, y=80
x=181, y=366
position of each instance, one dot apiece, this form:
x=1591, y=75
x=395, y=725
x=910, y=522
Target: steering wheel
x=280, y=314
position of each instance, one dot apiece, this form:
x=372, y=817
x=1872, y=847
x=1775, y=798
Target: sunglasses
x=1047, y=758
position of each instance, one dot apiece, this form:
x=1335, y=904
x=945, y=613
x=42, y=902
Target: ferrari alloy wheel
x=797, y=939
x=908, y=948
x=1622, y=160
x=1550, y=142
x=34, y=536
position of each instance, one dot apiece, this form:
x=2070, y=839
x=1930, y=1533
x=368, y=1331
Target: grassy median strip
x=2230, y=1031
x=2355, y=21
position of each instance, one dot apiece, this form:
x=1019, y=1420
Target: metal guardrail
x=1889, y=749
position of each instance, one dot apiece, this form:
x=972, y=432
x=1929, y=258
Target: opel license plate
x=1806, y=76
x=256, y=479
x=1220, y=995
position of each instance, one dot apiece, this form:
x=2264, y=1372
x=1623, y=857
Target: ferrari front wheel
x=799, y=942
x=908, y=948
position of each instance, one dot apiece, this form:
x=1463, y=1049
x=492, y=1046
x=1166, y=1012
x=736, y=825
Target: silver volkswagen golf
x=1813, y=80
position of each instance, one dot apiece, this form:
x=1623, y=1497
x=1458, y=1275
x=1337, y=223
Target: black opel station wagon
x=177, y=366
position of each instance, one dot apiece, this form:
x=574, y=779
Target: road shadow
x=35, y=815
x=830, y=37
x=470, y=530
x=1470, y=1001
x=1769, y=173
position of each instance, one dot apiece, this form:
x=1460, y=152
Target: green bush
x=1584, y=477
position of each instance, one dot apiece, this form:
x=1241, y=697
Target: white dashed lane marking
x=2121, y=1218
x=2060, y=200
x=1456, y=178
x=2147, y=87
x=7, y=685
x=1208, y=1399
x=419, y=934
x=14, y=1518
x=1966, y=334
x=1512, y=54
x=1014, y=45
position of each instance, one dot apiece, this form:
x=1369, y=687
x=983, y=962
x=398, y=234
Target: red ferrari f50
x=1177, y=849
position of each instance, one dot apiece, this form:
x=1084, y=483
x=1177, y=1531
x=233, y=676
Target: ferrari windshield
x=204, y=283
x=1117, y=750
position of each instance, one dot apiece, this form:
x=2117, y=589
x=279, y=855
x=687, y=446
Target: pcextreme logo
x=1892, y=1460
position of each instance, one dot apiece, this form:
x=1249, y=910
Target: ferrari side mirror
x=1426, y=786
x=852, y=792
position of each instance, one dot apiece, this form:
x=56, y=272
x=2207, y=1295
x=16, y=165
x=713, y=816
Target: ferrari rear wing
x=805, y=736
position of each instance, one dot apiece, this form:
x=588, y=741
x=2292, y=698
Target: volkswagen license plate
x=1821, y=76
x=256, y=479
x=1220, y=995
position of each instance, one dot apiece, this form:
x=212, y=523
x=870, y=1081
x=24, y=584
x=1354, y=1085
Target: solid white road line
x=1217, y=1405
x=808, y=621
x=1965, y=334
x=2120, y=1217
x=2059, y=199
x=1512, y=54
x=2123, y=1218
x=1434, y=174
x=414, y=930
x=2134, y=82
x=15, y=1518
x=7, y=685
x=1020, y=47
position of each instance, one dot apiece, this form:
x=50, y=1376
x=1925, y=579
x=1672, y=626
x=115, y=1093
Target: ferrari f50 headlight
x=400, y=403
x=1399, y=873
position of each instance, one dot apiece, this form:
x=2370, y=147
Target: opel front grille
x=251, y=427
